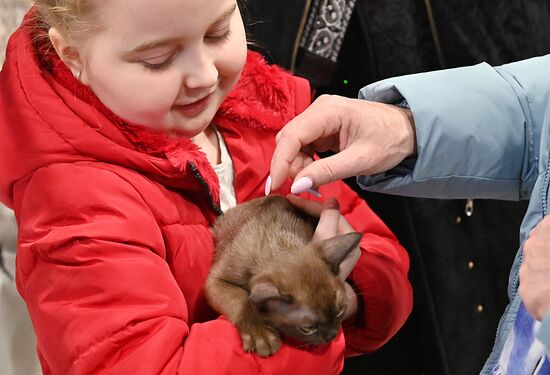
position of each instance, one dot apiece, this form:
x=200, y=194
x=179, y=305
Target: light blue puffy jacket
x=482, y=132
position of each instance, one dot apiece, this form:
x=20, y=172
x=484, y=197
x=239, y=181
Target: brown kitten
x=269, y=278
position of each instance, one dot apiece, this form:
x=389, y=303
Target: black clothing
x=459, y=263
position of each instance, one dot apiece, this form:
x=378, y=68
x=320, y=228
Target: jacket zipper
x=215, y=207
x=296, y=47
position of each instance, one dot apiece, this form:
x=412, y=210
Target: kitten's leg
x=233, y=301
x=256, y=335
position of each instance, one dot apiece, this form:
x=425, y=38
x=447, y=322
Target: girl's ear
x=66, y=51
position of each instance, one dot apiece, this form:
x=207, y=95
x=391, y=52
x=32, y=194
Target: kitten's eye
x=308, y=330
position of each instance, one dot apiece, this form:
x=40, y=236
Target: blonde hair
x=74, y=19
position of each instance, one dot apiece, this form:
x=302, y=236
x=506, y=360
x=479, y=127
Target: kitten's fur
x=268, y=277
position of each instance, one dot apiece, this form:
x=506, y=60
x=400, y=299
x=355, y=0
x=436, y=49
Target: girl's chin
x=179, y=127
x=191, y=127
x=185, y=130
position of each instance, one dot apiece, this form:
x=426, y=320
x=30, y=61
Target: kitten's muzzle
x=329, y=335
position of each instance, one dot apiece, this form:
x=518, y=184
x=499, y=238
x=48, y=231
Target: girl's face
x=166, y=63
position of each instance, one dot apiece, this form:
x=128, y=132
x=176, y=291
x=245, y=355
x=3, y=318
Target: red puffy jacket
x=114, y=239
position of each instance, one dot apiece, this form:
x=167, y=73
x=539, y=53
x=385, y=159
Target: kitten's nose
x=330, y=334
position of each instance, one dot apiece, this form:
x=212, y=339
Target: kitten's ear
x=268, y=299
x=262, y=291
x=336, y=249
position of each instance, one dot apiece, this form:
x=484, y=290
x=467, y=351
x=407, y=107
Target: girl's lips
x=194, y=108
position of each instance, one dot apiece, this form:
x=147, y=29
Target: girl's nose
x=200, y=70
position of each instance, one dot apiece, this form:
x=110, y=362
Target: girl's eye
x=219, y=38
x=158, y=67
x=308, y=330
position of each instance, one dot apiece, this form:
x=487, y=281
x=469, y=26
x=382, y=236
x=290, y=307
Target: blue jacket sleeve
x=478, y=130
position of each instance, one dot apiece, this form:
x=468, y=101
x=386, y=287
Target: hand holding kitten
x=333, y=223
x=276, y=272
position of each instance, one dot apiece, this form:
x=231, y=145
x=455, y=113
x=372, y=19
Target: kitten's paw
x=261, y=340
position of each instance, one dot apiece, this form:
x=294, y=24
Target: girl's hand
x=331, y=223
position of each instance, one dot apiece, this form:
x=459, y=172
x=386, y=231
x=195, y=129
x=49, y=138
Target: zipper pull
x=469, y=207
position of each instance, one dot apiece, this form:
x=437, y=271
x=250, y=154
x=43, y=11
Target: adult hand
x=534, y=274
x=367, y=137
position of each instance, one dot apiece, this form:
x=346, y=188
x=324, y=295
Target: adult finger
x=302, y=161
x=316, y=122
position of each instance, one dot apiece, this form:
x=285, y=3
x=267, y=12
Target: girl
x=127, y=128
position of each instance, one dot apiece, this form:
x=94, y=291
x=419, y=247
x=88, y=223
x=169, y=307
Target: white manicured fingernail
x=267, y=188
x=303, y=184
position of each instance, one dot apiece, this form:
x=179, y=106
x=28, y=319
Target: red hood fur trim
x=262, y=98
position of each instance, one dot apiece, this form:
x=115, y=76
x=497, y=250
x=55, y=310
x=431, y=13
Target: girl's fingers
x=331, y=223
x=310, y=207
x=344, y=226
x=328, y=221
x=315, y=208
x=348, y=263
x=328, y=214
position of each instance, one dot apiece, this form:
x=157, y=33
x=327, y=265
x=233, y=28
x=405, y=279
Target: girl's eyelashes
x=219, y=38
x=158, y=66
